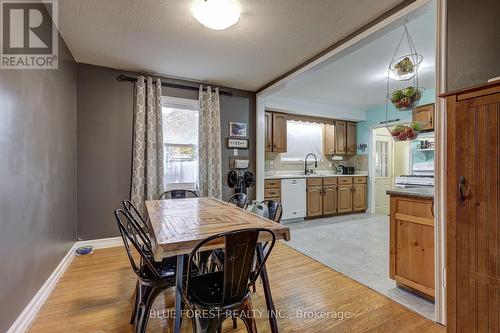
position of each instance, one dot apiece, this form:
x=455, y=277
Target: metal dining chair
x=275, y=210
x=239, y=199
x=225, y=293
x=178, y=194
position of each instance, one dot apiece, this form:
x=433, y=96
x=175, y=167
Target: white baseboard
x=29, y=313
x=102, y=243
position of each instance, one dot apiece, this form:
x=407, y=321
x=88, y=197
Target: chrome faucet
x=306, y=164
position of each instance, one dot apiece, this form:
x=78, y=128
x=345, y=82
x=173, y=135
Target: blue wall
x=375, y=115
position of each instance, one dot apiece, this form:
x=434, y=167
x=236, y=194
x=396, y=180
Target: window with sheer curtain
x=303, y=138
x=180, y=142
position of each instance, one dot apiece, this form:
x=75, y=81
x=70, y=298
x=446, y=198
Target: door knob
x=463, y=189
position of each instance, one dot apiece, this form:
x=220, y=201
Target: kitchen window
x=180, y=142
x=303, y=138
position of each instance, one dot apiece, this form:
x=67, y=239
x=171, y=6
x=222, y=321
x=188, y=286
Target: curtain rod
x=123, y=77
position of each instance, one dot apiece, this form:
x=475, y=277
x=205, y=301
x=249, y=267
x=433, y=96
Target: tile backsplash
x=274, y=163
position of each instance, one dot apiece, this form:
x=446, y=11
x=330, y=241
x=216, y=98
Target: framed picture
x=237, y=143
x=238, y=129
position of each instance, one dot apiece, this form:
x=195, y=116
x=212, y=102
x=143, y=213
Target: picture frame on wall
x=238, y=130
x=237, y=143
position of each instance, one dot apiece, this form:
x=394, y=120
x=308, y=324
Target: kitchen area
x=350, y=156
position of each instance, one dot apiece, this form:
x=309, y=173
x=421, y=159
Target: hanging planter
x=406, y=99
x=405, y=67
x=406, y=132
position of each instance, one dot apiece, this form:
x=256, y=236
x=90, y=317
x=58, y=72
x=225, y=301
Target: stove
x=409, y=181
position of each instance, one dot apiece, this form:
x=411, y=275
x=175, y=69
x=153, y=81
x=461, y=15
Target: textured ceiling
x=161, y=36
x=358, y=78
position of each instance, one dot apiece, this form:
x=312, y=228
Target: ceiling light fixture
x=216, y=14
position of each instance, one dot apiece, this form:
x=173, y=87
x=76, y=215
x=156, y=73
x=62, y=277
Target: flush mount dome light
x=216, y=14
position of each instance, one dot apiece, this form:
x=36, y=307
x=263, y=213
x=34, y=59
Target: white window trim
x=184, y=103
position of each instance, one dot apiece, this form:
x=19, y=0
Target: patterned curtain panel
x=210, y=168
x=147, y=155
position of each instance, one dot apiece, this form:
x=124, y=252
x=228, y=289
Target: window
x=180, y=142
x=382, y=158
x=303, y=138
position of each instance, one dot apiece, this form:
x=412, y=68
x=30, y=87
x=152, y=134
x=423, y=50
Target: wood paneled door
x=473, y=212
x=425, y=114
x=351, y=133
x=340, y=137
x=269, y=131
x=279, y=133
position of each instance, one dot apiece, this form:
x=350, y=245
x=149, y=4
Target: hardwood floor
x=95, y=296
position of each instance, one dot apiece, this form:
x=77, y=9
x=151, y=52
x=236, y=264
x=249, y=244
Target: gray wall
x=38, y=178
x=105, y=143
x=473, y=42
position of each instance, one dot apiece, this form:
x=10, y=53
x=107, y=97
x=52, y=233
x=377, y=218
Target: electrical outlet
x=235, y=152
x=271, y=164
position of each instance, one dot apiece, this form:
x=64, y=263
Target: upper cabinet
x=275, y=132
x=425, y=114
x=340, y=139
x=351, y=138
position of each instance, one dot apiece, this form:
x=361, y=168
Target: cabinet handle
x=463, y=189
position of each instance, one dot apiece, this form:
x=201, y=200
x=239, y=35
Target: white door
x=383, y=170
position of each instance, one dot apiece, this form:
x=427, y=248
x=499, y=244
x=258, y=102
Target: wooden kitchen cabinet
x=328, y=139
x=279, y=133
x=340, y=137
x=425, y=114
x=359, y=196
x=314, y=200
x=351, y=133
x=344, y=197
x=411, y=256
x=329, y=199
x=272, y=189
x=269, y=131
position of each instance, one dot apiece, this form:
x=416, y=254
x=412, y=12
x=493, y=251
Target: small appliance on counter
x=344, y=170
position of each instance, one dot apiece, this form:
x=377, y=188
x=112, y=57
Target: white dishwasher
x=293, y=198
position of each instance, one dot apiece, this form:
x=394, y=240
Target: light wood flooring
x=95, y=296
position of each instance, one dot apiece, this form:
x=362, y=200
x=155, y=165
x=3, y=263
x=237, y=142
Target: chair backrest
x=133, y=212
x=275, y=210
x=239, y=199
x=178, y=194
x=239, y=251
x=132, y=235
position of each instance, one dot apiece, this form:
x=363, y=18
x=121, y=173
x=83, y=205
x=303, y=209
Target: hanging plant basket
x=405, y=67
x=406, y=132
x=406, y=99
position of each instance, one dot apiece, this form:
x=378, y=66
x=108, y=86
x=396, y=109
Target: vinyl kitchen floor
x=358, y=247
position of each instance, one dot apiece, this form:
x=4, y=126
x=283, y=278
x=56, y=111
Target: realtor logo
x=29, y=34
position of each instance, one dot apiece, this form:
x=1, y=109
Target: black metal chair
x=226, y=292
x=239, y=199
x=275, y=210
x=153, y=277
x=178, y=194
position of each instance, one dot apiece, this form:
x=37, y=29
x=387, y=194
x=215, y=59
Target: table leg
x=267, y=291
x=178, y=293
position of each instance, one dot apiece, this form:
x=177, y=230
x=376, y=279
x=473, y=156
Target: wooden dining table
x=179, y=225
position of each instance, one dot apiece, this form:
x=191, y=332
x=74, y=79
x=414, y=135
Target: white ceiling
x=161, y=36
x=357, y=79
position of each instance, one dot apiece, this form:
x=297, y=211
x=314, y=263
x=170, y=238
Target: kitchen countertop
x=420, y=192
x=285, y=175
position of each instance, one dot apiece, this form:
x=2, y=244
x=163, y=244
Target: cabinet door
x=314, y=201
x=329, y=199
x=279, y=132
x=329, y=139
x=425, y=114
x=351, y=138
x=269, y=131
x=473, y=212
x=344, y=199
x=340, y=137
x=359, y=197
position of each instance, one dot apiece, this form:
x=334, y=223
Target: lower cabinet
x=332, y=195
x=345, y=198
x=314, y=201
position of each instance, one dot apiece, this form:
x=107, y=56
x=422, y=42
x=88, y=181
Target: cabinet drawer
x=330, y=181
x=272, y=183
x=360, y=180
x=272, y=193
x=314, y=181
x=345, y=180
